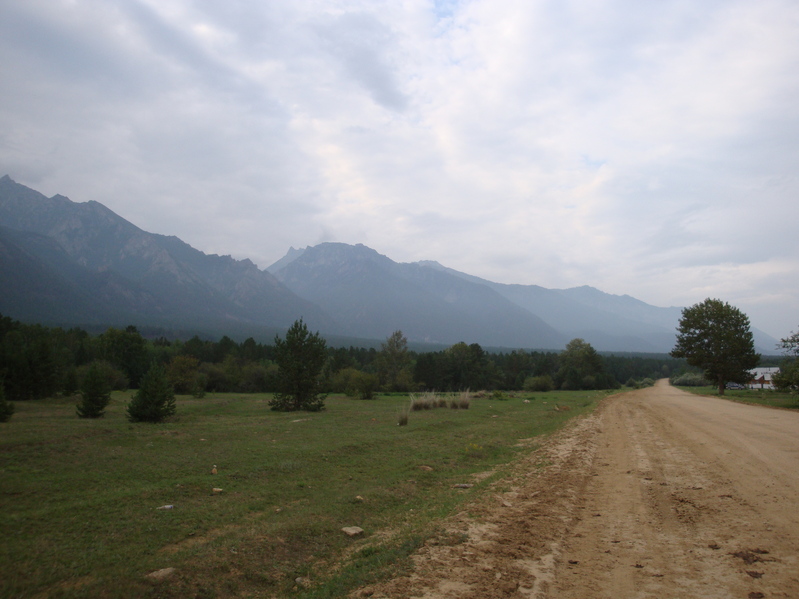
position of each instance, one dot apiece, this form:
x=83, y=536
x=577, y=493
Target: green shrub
x=645, y=382
x=155, y=399
x=690, y=379
x=359, y=384
x=539, y=383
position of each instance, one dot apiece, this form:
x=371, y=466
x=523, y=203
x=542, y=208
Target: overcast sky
x=643, y=148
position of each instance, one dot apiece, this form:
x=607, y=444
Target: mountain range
x=66, y=263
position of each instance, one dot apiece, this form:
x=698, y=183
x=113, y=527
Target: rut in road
x=659, y=493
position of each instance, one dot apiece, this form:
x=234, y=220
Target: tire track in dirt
x=659, y=493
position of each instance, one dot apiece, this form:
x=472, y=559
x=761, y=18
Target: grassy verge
x=79, y=499
x=762, y=397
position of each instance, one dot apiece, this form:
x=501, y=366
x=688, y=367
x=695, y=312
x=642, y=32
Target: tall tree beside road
x=716, y=337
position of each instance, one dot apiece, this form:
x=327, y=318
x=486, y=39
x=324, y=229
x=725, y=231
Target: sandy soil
x=658, y=494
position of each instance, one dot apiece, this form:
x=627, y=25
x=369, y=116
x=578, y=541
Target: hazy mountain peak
x=431, y=264
x=342, y=255
x=290, y=257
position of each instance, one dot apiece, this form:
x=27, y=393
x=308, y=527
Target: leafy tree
x=790, y=344
x=300, y=359
x=715, y=337
x=354, y=382
x=184, y=375
x=155, y=399
x=787, y=379
x=6, y=407
x=394, y=363
x=581, y=367
x=95, y=393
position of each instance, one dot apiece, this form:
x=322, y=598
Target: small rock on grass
x=160, y=575
x=352, y=531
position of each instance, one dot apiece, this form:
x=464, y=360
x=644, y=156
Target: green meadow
x=80, y=499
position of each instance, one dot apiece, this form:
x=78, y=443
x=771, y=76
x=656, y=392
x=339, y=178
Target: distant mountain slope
x=131, y=274
x=39, y=278
x=370, y=295
x=63, y=262
x=608, y=322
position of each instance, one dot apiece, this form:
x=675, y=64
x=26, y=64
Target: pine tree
x=155, y=399
x=95, y=394
x=300, y=359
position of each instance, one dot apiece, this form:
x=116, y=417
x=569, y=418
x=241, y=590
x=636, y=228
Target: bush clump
x=690, y=379
x=355, y=383
x=639, y=384
x=539, y=383
x=462, y=401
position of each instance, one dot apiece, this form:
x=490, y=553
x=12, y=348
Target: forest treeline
x=38, y=361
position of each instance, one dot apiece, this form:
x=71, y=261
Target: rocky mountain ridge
x=69, y=263
x=99, y=268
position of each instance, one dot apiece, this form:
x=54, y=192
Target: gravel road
x=658, y=494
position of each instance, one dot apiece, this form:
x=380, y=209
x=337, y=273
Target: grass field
x=762, y=397
x=79, y=498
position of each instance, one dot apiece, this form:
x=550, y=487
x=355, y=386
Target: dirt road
x=658, y=494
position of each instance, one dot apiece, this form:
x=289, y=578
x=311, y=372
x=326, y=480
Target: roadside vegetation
x=785, y=393
x=762, y=397
x=241, y=499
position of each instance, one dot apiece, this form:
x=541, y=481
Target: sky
x=642, y=148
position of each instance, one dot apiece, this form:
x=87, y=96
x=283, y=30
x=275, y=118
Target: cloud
x=643, y=148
